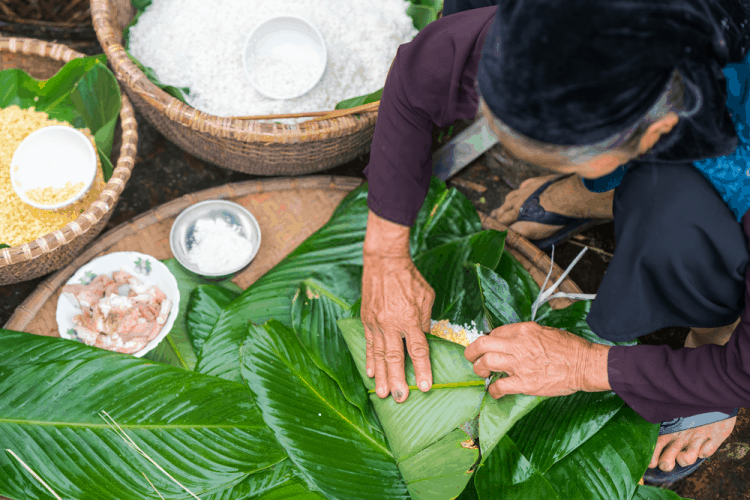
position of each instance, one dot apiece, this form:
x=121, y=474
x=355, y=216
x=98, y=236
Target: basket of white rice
x=181, y=63
x=35, y=242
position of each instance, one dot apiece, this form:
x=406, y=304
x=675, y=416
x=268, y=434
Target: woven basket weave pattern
x=54, y=250
x=252, y=147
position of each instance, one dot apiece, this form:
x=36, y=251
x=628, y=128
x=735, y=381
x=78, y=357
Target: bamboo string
x=447, y=385
x=322, y=115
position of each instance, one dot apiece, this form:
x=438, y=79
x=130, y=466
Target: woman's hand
x=396, y=303
x=539, y=361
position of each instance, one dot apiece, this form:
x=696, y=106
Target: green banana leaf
x=83, y=93
x=177, y=349
x=324, y=435
x=422, y=13
x=203, y=431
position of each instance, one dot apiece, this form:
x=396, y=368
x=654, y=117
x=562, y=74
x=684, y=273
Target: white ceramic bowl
x=52, y=156
x=146, y=268
x=270, y=36
x=181, y=236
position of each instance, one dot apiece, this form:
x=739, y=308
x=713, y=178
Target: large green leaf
x=450, y=214
x=84, y=93
x=610, y=463
x=325, y=436
x=448, y=269
x=203, y=310
x=205, y=432
x=560, y=425
x=606, y=466
x=315, y=312
x=176, y=348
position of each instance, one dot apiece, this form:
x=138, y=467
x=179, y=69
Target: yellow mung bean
x=21, y=223
x=52, y=196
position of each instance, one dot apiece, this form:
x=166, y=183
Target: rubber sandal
x=657, y=476
x=532, y=211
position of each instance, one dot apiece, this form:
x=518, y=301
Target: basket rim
x=183, y=114
x=113, y=188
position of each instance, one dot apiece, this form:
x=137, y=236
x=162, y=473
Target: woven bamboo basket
x=248, y=146
x=55, y=250
x=288, y=211
x=72, y=19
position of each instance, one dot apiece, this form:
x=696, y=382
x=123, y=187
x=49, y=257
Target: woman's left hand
x=539, y=361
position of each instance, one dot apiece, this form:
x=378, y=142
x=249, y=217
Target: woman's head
x=596, y=77
x=600, y=158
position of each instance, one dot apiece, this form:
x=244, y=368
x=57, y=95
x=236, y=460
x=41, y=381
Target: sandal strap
x=684, y=423
x=532, y=211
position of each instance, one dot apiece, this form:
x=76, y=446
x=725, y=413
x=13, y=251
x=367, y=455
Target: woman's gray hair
x=671, y=100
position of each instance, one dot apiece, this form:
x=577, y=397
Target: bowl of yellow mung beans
x=53, y=167
x=21, y=222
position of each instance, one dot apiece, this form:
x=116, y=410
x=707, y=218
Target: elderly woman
x=626, y=95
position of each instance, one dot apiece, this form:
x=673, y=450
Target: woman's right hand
x=396, y=303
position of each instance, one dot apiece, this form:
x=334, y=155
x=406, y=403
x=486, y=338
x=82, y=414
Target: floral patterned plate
x=144, y=267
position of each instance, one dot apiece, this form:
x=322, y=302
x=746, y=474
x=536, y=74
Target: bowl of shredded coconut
x=215, y=238
x=284, y=57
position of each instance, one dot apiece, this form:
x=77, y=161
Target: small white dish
x=181, y=236
x=146, y=268
x=53, y=156
x=276, y=34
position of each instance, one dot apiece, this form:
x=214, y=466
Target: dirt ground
x=163, y=172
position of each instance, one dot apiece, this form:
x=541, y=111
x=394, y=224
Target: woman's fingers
x=493, y=361
x=381, y=372
x=369, y=353
x=394, y=360
x=419, y=352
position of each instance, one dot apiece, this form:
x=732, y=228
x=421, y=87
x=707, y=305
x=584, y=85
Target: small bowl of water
x=284, y=57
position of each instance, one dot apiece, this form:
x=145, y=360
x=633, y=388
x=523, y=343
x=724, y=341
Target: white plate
x=144, y=267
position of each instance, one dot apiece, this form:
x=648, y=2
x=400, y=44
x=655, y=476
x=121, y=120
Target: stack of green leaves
x=266, y=396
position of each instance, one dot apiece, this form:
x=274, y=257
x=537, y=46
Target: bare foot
x=686, y=447
x=567, y=197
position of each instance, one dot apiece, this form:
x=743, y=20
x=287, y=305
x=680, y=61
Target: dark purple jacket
x=432, y=82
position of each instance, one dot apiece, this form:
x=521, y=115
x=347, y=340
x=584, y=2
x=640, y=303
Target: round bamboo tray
x=288, y=211
x=248, y=146
x=54, y=250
